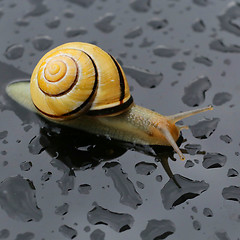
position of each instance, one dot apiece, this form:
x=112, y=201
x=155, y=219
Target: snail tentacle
x=179, y=116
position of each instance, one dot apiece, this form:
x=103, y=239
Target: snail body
x=81, y=86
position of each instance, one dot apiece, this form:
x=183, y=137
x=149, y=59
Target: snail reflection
x=79, y=150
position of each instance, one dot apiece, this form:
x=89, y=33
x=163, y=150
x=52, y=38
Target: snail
x=80, y=85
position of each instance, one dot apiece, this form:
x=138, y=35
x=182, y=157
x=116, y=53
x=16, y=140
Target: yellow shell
x=79, y=77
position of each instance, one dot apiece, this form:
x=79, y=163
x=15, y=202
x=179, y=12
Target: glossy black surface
x=56, y=183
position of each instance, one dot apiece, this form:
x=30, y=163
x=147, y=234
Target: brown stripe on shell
x=121, y=79
x=112, y=110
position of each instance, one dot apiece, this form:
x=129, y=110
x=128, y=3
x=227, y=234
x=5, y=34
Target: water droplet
x=231, y=193
x=227, y=62
x=68, y=13
x=214, y=160
x=42, y=43
x=140, y=185
x=25, y=236
x=194, y=209
x=133, y=33
x=202, y=3
x=232, y=172
x=227, y=19
x=4, y=153
x=198, y=25
x=39, y=8
x=104, y=23
x=164, y=51
x=222, y=236
x=5, y=163
x=192, y=149
x=207, y=212
x=18, y=200
x=66, y=183
x=36, y=146
x=73, y=32
x=84, y=188
x=196, y=225
x=172, y=195
x=119, y=222
x=26, y=166
x=205, y=128
x=97, y=235
x=62, y=210
x=146, y=43
x=3, y=134
x=156, y=229
x=87, y=229
x=27, y=128
x=179, y=66
x=67, y=231
x=145, y=168
x=189, y=164
x=46, y=176
x=221, y=98
x=219, y=45
x=53, y=23
x=157, y=23
x=143, y=77
x=82, y=3
x=226, y=138
x=140, y=5
x=4, y=233
x=203, y=60
x=159, y=178
x=14, y=51
x=22, y=22
x=194, y=94
x=126, y=189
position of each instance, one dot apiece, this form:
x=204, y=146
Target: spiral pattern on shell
x=77, y=78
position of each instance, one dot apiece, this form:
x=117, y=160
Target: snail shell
x=77, y=78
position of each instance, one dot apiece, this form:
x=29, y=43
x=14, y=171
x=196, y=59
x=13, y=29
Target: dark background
x=38, y=174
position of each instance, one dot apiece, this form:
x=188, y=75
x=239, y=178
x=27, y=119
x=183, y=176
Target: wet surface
x=58, y=183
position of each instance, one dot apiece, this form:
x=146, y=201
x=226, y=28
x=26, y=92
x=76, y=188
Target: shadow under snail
x=80, y=85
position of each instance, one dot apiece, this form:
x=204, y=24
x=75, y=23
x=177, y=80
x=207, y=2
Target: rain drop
x=67, y=231
x=204, y=129
x=164, y=51
x=84, y=188
x=203, y=60
x=62, y=210
x=214, y=160
x=221, y=98
x=143, y=77
x=42, y=43
x=194, y=94
x=97, y=235
x=128, y=193
x=53, y=23
x=119, y=222
x=145, y=168
x=14, y=51
x=74, y=32
x=158, y=229
x=104, y=23
x=133, y=33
